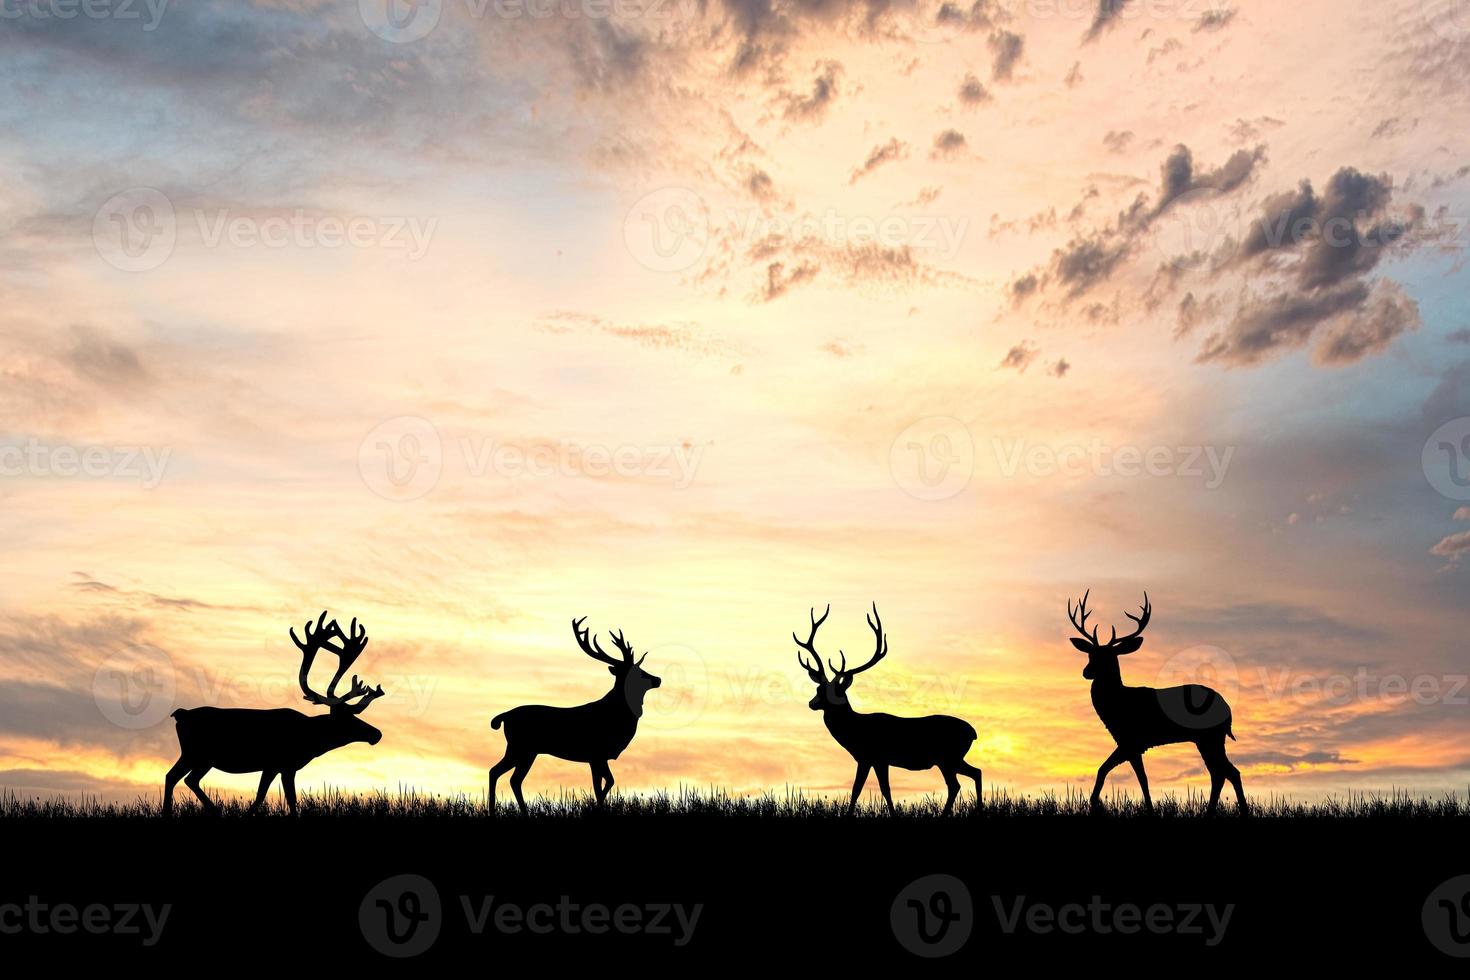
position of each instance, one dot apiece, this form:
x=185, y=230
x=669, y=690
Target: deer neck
x=1107, y=686
x=326, y=735
x=841, y=720
x=624, y=698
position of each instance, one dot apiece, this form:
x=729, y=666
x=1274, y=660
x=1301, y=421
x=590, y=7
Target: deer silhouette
x=594, y=733
x=877, y=741
x=1141, y=718
x=276, y=741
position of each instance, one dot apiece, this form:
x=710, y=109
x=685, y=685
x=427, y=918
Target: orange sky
x=685, y=319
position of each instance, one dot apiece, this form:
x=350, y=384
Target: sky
x=470, y=317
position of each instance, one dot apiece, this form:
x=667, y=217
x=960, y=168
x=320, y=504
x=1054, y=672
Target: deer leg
x=192, y=781
x=964, y=768
x=857, y=786
x=1112, y=762
x=170, y=781
x=1233, y=774
x=500, y=768
x=882, y=772
x=1213, y=756
x=266, y=778
x=523, y=767
x=1137, y=761
x=288, y=786
x=602, y=780
x=951, y=783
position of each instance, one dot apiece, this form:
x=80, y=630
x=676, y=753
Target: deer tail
x=495, y=722
x=179, y=713
x=1230, y=734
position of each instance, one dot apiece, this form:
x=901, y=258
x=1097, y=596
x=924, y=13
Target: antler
x=351, y=646
x=815, y=673
x=1142, y=620
x=1081, y=626
x=880, y=650
x=1114, y=640
x=588, y=642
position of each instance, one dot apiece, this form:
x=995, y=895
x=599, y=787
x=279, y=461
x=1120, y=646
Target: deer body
x=908, y=743
x=597, y=731
x=276, y=741
x=1142, y=718
x=879, y=741
x=593, y=733
x=270, y=740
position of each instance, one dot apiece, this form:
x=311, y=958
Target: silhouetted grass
x=716, y=804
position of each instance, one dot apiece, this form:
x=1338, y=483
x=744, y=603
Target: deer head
x=347, y=648
x=1102, y=658
x=631, y=677
x=832, y=691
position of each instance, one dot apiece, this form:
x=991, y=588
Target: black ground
x=772, y=888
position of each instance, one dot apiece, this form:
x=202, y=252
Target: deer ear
x=1128, y=645
x=1082, y=645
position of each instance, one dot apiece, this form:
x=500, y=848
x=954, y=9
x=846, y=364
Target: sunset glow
x=689, y=317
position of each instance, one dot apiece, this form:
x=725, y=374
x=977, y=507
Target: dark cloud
x=973, y=92
x=1179, y=176
x=894, y=150
x=980, y=15
x=1358, y=319
x=1086, y=262
x=779, y=279
x=1105, y=17
x=814, y=105
x=761, y=186
x=1007, y=47
x=1019, y=357
x=1215, y=20
x=1060, y=368
x=1023, y=287
x=1325, y=248
x=1118, y=141
x=1092, y=258
x=948, y=144
x=102, y=359
x=604, y=56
